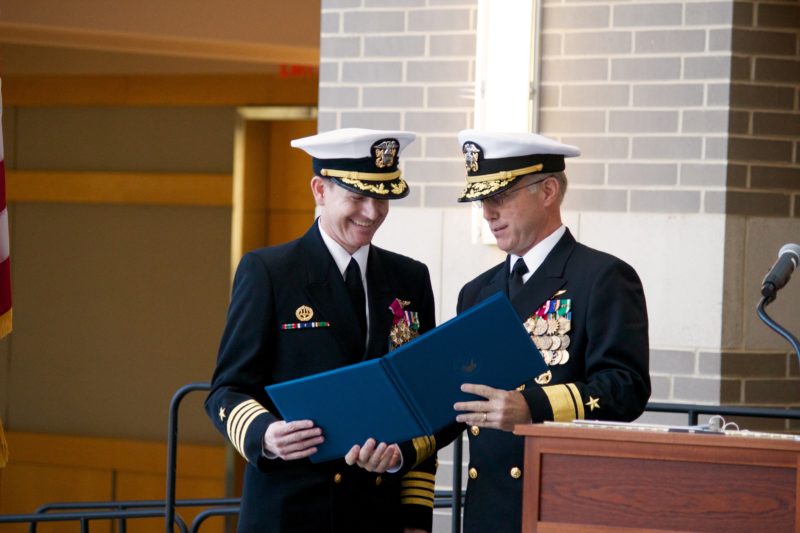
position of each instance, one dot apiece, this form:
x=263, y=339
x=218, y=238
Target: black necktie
x=352, y=278
x=515, y=282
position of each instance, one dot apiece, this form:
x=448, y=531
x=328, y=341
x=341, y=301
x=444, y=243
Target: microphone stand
x=762, y=314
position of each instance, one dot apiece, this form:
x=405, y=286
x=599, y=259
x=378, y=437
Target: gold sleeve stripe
x=424, y=446
x=234, y=429
x=417, y=492
x=417, y=501
x=423, y=488
x=576, y=397
x=418, y=484
x=425, y=476
x=239, y=421
x=561, y=403
x=246, y=425
x=233, y=418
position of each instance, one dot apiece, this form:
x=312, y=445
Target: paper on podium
x=411, y=391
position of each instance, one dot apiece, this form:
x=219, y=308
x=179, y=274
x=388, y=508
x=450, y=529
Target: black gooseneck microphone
x=781, y=271
x=776, y=278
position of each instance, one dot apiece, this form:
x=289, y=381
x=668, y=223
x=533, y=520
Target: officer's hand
x=292, y=440
x=414, y=530
x=501, y=410
x=374, y=458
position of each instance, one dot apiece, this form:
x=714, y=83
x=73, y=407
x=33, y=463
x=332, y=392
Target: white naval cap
x=495, y=160
x=361, y=160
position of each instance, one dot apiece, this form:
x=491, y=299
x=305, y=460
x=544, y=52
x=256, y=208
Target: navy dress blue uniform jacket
x=606, y=376
x=299, y=496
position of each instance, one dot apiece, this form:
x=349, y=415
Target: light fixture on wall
x=506, y=75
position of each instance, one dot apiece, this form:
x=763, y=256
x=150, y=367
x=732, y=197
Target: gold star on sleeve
x=222, y=414
x=593, y=403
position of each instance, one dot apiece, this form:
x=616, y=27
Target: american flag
x=5, y=267
x=5, y=260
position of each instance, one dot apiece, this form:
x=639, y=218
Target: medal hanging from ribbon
x=405, y=324
x=548, y=327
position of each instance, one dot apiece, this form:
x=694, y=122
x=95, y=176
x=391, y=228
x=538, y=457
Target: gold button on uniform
x=475, y=430
x=337, y=478
x=378, y=481
x=516, y=473
x=473, y=473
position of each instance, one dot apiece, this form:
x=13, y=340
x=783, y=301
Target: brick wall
x=403, y=64
x=764, y=148
x=641, y=87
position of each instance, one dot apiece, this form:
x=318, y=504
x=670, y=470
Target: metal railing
x=121, y=511
x=172, y=448
x=693, y=412
x=84, y=517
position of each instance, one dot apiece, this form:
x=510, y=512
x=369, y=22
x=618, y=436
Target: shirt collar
x=536, y=255
x=341, y=257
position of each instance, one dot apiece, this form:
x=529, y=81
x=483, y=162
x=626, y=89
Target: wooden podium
x=580, y=479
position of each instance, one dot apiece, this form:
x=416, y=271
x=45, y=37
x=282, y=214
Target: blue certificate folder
x=411, y=391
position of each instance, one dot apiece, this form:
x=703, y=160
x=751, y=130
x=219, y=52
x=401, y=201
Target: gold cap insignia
x=304, y=313
x=385, y=151
x=471, y=156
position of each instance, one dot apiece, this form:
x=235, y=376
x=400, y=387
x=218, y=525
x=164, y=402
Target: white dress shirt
x=342, y=258
x=536, y=255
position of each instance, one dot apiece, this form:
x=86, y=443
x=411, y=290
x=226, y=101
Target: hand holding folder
x=374, y=457
x=411, y=391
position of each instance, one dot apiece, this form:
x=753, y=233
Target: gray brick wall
x=766, y=38
x=403, y=65
x=643, y=89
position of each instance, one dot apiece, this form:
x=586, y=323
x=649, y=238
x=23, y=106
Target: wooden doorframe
x=251, y=169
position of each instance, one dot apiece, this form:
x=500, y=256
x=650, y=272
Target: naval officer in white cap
x=584, y=309
x=317, y=303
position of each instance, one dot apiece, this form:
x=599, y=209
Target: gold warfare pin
x=304, y=313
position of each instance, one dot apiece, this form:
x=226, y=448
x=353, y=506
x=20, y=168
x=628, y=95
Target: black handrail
x=208, y=513
x=694, y=410
x=172, y=449
x=133, y=504
x=85, y=517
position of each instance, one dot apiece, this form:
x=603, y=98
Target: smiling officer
x=325, y=300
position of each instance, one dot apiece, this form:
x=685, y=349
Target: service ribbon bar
x=304, y=325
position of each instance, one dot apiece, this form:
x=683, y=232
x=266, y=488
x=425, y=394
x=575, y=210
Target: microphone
x=781, y=271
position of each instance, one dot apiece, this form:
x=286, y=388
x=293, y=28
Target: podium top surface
x=649, y=433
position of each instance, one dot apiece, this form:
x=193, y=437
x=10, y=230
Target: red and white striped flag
x=5, y=260
x=5, y=267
